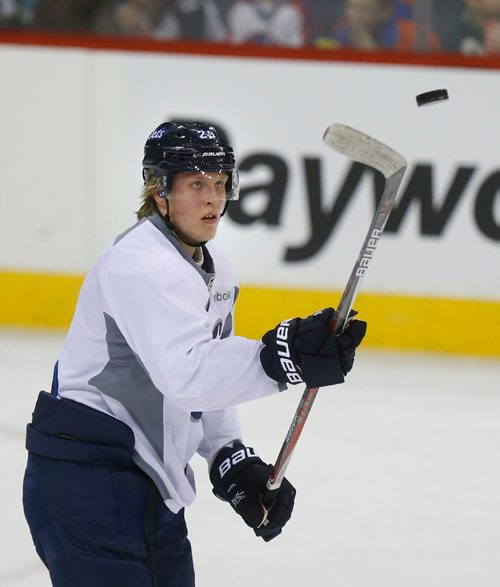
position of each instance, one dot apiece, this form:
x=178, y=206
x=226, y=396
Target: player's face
x=196, y=201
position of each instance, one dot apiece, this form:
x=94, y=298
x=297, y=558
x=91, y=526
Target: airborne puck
x=429, y=98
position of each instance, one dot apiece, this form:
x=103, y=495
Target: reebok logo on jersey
x=222, y=297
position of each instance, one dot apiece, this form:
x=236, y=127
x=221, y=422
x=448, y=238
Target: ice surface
x=397, y=472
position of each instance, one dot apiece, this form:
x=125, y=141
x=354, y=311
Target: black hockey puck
x=429, y=98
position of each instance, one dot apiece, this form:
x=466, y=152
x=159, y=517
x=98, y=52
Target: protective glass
x=218, y=186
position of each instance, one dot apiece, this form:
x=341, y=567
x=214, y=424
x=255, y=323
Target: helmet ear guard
x=164, y=182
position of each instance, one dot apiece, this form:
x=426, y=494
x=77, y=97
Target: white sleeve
x=220, y=427
x=164, y=321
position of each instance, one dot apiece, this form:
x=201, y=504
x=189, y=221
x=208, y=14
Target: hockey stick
x=362, y=148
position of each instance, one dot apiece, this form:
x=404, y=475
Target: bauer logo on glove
x=283, y=334
x=236, y=457
x=303, y=350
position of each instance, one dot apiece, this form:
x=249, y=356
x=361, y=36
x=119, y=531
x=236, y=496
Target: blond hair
x=148, y=203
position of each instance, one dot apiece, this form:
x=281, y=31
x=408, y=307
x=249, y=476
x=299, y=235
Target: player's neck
x=190, y=250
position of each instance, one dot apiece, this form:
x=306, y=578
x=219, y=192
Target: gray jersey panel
x=125, y=380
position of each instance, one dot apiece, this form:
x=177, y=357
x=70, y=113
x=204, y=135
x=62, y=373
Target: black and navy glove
x=239, y=476
x=302, y=350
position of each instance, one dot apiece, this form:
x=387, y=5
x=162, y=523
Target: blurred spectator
x=374, y=24
x=446, y=15
x=476, y=30
x=321, y=15
x=69, y=16
x=7, y=9
x=404, y=8
x=194, y=20
x=132, y=18
x=267, y=22
x=466, y=26
x=16, y=13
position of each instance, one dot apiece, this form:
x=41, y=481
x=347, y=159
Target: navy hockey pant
x=95, y=517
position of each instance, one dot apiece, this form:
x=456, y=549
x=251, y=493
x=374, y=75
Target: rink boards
x=70, y=161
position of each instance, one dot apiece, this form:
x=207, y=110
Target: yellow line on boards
x=41, y=300
x=464, y=326
x=394, y=321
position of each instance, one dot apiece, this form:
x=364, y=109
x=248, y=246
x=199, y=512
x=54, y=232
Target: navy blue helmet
x=189, y=146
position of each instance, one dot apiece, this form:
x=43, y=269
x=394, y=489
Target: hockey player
x=150, y=373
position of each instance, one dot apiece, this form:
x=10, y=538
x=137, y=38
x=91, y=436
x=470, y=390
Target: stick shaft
x=367, y=250
x=349, y=295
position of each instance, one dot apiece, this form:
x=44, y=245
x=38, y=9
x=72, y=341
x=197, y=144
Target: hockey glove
x=302, y=350
x=239, y=476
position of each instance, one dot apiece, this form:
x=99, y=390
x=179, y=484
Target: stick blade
x=363, y=148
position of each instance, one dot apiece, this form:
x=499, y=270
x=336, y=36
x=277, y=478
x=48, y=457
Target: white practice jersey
x=151, y=343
